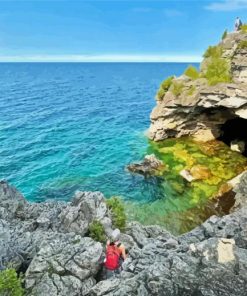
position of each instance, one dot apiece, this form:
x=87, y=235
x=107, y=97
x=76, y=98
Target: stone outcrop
x=201, y=110
x=210, y=260
x=150, y=165
x=48, y=239
x=59, y=259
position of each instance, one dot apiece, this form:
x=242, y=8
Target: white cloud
x=227, y=5
x=101, y=58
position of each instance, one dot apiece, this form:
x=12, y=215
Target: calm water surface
x=69, y=126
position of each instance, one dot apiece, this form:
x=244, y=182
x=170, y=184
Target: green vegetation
x=244, y=28
x=218, y=70
x=116, y=207
x=160, y=93
x=10, y=284
x=224, y=35
x=177, y=88
x=186, y=205
x=192, y=72
x=213, y=52
x=242, y=44
x=165, y=85
x=97, y=232
x=191, y=90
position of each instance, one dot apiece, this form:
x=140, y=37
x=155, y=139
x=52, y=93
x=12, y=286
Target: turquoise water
x=70, y=126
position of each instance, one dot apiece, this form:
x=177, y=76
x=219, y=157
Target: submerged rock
x=149, y=166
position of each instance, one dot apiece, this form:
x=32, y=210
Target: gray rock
x=209, y=260
x=66, y=265
x=149, y=166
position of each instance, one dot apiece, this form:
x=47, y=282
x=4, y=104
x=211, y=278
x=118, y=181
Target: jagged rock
x=149, y=166
x=209, y=260
x=84, y=209
x=24, y=226
x=11, y=201
x=65, y=265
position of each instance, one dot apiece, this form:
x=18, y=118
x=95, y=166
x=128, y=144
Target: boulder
x=149, y=166
x=238, y=146
x=65, y=265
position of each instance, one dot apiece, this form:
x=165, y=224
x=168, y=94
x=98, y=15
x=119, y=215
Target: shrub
x=242, y=44
x=224, y=35
x=213, y=52
x=177, y=88
x=191, y=90
x=192, y=72
x=10, y=284
x=165, y=85
x=97, y=232
x=116, y=207
x=218, y=70
x=160, y=93
x=244, y=28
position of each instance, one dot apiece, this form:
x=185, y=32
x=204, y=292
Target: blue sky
x=113, y=30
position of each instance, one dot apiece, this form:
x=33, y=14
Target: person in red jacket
x=112, y=260
x=115, y=255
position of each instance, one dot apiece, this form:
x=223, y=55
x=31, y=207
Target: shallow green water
x=184, y=205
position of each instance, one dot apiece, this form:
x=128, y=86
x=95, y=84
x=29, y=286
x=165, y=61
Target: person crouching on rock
x=115, y=255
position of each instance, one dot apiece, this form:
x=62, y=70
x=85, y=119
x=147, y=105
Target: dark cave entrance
x=234, y=130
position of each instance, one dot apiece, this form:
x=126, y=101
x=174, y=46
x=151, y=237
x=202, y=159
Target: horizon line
x=101, y=58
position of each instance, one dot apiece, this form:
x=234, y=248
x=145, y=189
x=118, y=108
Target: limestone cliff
x=48, y=242
x=206, y=109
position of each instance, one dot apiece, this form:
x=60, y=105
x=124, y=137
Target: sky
x=97, y=30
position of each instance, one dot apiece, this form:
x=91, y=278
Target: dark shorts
x=111, y=273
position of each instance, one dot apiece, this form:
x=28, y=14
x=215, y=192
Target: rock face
x=58, y=259
x=48, y=239
x=210, y=260
x=65, y=265
x=201, y=110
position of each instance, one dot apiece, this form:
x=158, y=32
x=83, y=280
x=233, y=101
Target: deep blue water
x=69, y=126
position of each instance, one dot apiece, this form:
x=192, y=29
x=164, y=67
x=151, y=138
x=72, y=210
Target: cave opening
x=234, y=133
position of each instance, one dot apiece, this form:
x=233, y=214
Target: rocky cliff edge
x=200, y=105
x=49, y=242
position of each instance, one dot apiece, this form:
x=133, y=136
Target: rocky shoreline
x=49, y=242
